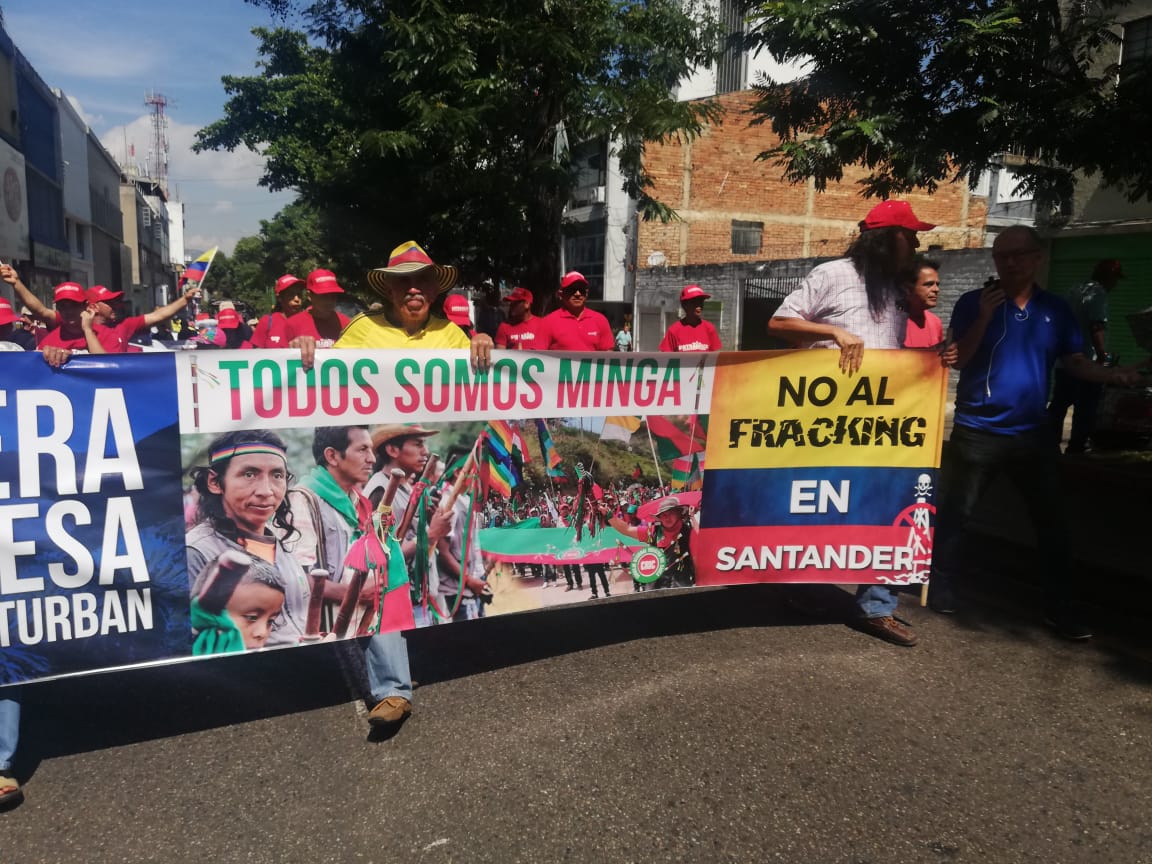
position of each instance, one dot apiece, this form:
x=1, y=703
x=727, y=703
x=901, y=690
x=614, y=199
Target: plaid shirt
x=834, y=293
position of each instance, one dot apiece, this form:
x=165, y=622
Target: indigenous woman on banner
x=241, y=490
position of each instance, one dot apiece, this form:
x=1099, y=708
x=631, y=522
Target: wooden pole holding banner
x=655, y=461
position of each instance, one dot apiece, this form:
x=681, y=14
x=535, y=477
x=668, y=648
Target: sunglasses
x=576, y=289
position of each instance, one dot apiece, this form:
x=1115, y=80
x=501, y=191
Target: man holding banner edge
x=853, y=303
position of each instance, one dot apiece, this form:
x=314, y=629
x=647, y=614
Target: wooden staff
x=448, y=501
x=414, y=501
x=317, y=578
x=359, y=577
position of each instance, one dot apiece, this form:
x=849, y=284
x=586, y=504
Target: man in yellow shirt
x=410, y=284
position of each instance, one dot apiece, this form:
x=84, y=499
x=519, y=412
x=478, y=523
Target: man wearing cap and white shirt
x=575, y=327
x=691, y=332
x=109, y=307
x=523, y=330
x=320, y=320
x=272, y=330
x=853, y=303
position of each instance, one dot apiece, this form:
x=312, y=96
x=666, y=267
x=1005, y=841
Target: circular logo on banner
x=647, y=565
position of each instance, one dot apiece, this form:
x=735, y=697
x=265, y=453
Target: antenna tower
x=158, y=158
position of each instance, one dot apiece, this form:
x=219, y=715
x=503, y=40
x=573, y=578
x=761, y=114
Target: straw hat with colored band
x=405, y=260
x=389, y=431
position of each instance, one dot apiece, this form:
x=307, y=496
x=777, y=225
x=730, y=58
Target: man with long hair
x=853, y=303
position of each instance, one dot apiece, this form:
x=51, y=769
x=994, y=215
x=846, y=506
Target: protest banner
x=162, y=507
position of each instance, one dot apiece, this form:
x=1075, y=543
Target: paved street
x=716, y=726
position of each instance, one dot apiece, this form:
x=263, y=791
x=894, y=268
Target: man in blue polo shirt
x=1009, y=336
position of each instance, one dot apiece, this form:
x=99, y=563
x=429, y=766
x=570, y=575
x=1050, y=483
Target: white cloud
x=241, y=166
x=202, y=242
x=220, y=190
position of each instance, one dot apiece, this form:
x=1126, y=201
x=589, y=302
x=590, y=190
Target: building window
x=1137, y=39
x=746, y=237
x=1137, y=45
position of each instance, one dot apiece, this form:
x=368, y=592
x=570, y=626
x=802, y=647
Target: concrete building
x=144, y=211
x=77, y=200
x=111, y=259
x=40, y=143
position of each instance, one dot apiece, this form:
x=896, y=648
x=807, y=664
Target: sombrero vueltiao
x=406, y=259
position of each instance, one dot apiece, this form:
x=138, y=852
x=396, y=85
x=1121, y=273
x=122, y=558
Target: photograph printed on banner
x=299, y=535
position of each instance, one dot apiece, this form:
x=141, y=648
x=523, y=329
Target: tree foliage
x=922, y=92
x=438, y=120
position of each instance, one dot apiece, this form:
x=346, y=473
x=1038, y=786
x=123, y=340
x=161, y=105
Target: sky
x=107, y=56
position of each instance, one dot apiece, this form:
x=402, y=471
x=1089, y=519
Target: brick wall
x=716, y=179
x=744, y=321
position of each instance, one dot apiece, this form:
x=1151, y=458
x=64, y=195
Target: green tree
x=921, y=92
x=250, y=286
x=441, y=122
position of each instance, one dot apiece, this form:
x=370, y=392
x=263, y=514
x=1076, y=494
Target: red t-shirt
x=685, y=337
x=531, y=335
x=303, y=324
x=272, y=331
x=928, y=336
x=53, y=338
x=589, y=332
x=115, y=338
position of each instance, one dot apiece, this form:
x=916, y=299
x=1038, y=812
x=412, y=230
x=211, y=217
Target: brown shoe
x=888, y=629
x=390, y=711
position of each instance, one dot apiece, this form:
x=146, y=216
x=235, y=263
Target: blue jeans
x=876, y=601
x=386, y=656
x=9, y=731
x=973, y=459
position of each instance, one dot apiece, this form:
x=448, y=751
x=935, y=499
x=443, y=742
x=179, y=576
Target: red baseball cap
x=70, y=291
x=518, y=294
x=456, y=309
x=894, y=214
x=572, y=278
x=228, y=319
x=323, y=282
x=287, y=281
x=7, y=313
x=693, y=292
x=100, y=294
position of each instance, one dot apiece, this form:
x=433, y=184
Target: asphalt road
x=721, y=725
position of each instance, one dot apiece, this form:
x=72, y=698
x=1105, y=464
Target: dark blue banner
x=92, y=565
